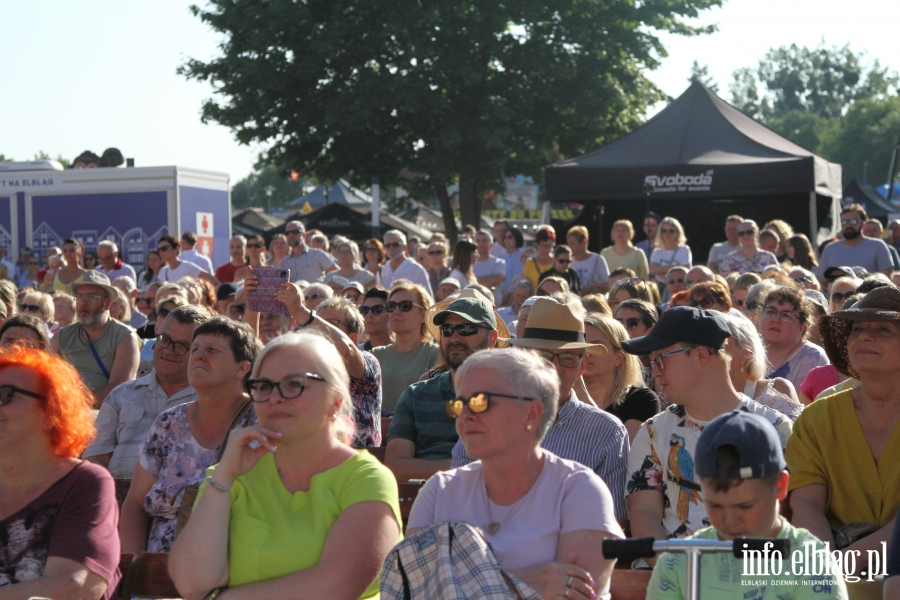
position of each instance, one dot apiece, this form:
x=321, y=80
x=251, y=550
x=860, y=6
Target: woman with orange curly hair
x=58, y=514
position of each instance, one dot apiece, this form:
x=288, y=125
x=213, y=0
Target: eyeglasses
x=567, y=360
x=705, y=303
x=179, y=348
x=89, y=297
x=163, y=312
x=370, y=249
x=294, y=232
x=631, y=323
x=737, y=302
x=352, y=297
x=435, y=252
x=464, y=329
x=375, y=310
x=142, y=300
x=477, y=403
x=838, y=297
x=338, y=323
x=746, y=232
x=393, y=245
x=31, y=308
x=785, y=316
x=675, y=281
x=254, y=246
x=7, y=391
x=850, y=221
x=563, y=261
x=404, y=306
x=164, y=248
x=260, y=390
x=660, y=364
x=666, y=231
x=9, y=342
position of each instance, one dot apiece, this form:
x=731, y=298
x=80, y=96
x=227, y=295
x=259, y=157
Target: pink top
x=819, y=379
x=567, y=497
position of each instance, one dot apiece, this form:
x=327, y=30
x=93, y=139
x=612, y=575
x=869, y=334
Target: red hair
x=67, y=410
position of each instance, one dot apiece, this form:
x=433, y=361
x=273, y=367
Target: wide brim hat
x=435, y=330
x=553, y=326
x=94, y=278
x=880, y=305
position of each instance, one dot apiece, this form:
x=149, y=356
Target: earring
x=743, y=367
x=334, y=417
x=528, y=428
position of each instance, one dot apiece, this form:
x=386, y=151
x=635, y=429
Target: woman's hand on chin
x=552, y=580
x=245, y=448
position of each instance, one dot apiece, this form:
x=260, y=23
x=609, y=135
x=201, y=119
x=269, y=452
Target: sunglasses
x=563, y=261
x=838, y=297
x=477, y=403
x=352, y=297
x=704, y=303
x=7, y=391
x=435, y=252
x=142, y=300
x=631, y=323
x=850, y=221
x=754, y=305
x=375, y=310
x=163, y=312
x=294, y=232
x=746, y=232
x=738, y=302
x=254, y=246
x=30, y=308
x=668, y=231
x=567, y=360
x=393, y=245
x=404, y=306
x=164, y=248
x=464, y=329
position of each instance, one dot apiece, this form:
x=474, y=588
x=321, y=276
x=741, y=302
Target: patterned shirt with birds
x=662, y=460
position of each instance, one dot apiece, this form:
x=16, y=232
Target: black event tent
x=866, y=195
x=700, y=160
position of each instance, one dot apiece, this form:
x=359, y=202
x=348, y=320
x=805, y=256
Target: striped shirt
x=587, y=435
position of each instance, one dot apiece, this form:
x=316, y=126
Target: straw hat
x=94, y=278
x=435, y=330
x=553, y=326
x=880, y=305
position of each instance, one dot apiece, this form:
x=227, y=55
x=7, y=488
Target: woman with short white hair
x=536, y=509
x=316, y=515
x=670, y=249
x=749, y=366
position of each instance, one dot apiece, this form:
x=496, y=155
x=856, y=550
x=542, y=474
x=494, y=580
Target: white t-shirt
x=192, y=256
x=807, y=357
x=669, y=258
x=185, y=269
x=719, y=251
x=662, y=459
x=591, y=270
x=566, y=497
x=408, y=269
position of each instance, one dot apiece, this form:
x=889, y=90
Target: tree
x=451, y=90
x=41, y=155
x=702, y=75
x=251, y=190
x=830, y=101
x=4, y=158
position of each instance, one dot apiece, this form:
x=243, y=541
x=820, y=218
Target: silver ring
x=569, y=582
x=566, y=595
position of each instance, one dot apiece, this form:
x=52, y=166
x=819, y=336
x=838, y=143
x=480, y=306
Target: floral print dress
x=172, y=455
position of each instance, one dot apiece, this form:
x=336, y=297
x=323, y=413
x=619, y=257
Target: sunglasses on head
x=404, y=306
x=464, y=329
x=477, y=403
x=375, y=310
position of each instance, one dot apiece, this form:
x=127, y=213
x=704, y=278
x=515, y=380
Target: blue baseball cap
x=755, y=439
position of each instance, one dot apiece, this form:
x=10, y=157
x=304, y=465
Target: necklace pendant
x=492, y=527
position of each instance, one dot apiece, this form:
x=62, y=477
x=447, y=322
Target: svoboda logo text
x=680, y=183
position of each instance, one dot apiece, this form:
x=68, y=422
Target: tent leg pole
x=813, y=220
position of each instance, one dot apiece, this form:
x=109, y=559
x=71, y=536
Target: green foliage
x=4, y=158
x=41, y=155
x=702, y=75
x=830, y=101
x=251, y=191
x=449, y=90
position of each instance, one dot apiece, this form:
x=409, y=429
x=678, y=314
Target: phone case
x=270, y=279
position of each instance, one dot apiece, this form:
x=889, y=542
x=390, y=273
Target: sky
x=94, y=74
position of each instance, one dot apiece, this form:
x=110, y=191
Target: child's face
x=746, y=510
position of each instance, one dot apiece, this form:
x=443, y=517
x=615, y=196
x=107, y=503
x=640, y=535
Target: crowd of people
x=549, y=397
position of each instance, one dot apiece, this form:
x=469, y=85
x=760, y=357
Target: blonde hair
x=629, y=373
x=627, y=224
x=579, y=230
x=682, y=240
x=45, y=301
x=424, y=299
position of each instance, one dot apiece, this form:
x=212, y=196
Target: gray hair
x=109, y=244
x=45, y=302
x=325, y=361
x=321, y=238
x=759, y=290
x=748, y=338
x=126, y=282
x=396, y=233
x=353, y=319
x=527, y=376
x=322, y=288
x=486, y=232
x=525, y=284
x=299, y=224
x=354, y=248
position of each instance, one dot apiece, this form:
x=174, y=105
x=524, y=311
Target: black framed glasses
x=477, y=403
x=375, y=310
x=404, y=306
x=567, y=360
x=393, y=245
x=260, y=390
x=563, y=261
x=785, y=316
x=31, y=308
x=164, y=341
x=254, y=246
x=7, y=391
x=704, y=303
x=163, y=312
x=630, y=323
x=463, y=329
x=660, y=364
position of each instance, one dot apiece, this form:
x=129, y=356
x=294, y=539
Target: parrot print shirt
x=662, y=460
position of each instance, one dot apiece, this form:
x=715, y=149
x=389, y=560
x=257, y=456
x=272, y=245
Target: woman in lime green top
x=70, y=271
x=316, y=519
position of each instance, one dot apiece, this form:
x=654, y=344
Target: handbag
x=452, y=561
x=189, y=492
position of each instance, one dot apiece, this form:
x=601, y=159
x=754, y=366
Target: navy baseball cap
x=755, y=439
x=684, y=324
x=226, y=291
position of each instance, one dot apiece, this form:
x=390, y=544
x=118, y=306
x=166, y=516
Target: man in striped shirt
x=582, y=433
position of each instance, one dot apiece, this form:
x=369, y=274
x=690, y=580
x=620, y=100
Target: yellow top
x=532, y=270
x=828, y=447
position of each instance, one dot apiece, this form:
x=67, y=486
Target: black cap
x=832, y=273
x=755, y=439
x=683, y=324
x=225, y=291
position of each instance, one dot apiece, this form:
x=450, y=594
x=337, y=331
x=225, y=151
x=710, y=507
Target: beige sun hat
x=553, y=326
x=435, y=330
x=94, y=278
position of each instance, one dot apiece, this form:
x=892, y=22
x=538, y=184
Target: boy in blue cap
x=743, y=476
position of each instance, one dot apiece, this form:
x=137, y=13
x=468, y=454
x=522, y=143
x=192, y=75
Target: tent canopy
x=699, y=160
x=875, y=204
x=339, y=193
x=352, y=222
